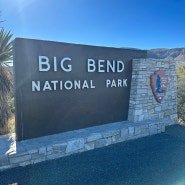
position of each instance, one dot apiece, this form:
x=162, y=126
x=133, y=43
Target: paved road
x=154, y=160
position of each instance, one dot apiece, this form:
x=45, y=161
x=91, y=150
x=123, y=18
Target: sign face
x=61, y=87
x=159, y=84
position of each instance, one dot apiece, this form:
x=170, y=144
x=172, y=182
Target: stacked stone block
x=33, y=151
x=143, y=106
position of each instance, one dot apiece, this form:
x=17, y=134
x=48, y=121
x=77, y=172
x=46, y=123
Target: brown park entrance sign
x=61, y=87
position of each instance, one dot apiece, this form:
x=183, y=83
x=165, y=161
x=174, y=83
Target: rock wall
x=143, y=105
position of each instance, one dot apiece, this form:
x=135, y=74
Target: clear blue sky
x=141, y=24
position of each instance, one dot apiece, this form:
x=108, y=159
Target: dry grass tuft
x=181, y=122
x=9, y=128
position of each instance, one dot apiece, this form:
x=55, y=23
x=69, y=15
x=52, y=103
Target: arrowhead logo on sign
x=159, y=84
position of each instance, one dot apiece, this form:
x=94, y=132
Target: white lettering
x=116, y=83
x=77, y=84
x=35, y=86
x=69, y=67
x=120, y=66
x=113, y=84
x=110, y=66
x=55, y=64
x=44, y=63
x=91, y=84
x=61, y=85
x=91, y=65
x=47, y=86
x=54, y=84
x=108, y=83
x=85, y=85
x=100, y=66
x=119, y=83
x=70, y=85
x=124, y=82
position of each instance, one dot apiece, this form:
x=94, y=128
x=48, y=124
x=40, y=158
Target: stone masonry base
x=27, y=152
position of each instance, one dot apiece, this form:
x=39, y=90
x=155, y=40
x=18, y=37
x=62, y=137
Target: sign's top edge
x=121, y=48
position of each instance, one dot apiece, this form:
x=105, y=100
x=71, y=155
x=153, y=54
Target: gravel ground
x=153, y=160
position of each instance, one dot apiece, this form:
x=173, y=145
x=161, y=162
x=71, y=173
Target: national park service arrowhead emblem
x=159, y=84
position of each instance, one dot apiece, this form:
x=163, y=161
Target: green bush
x=181, y=99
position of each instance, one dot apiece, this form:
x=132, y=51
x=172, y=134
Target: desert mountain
x=177, y=54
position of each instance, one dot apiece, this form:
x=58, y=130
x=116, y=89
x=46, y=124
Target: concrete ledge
x=22, y=153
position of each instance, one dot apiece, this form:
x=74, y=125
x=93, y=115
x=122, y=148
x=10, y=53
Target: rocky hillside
x=177, y=54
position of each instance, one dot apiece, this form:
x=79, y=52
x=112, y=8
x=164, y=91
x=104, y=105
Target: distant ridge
x=177, y=54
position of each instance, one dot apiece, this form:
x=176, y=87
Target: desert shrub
x=181, y=99
x=180, y=70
